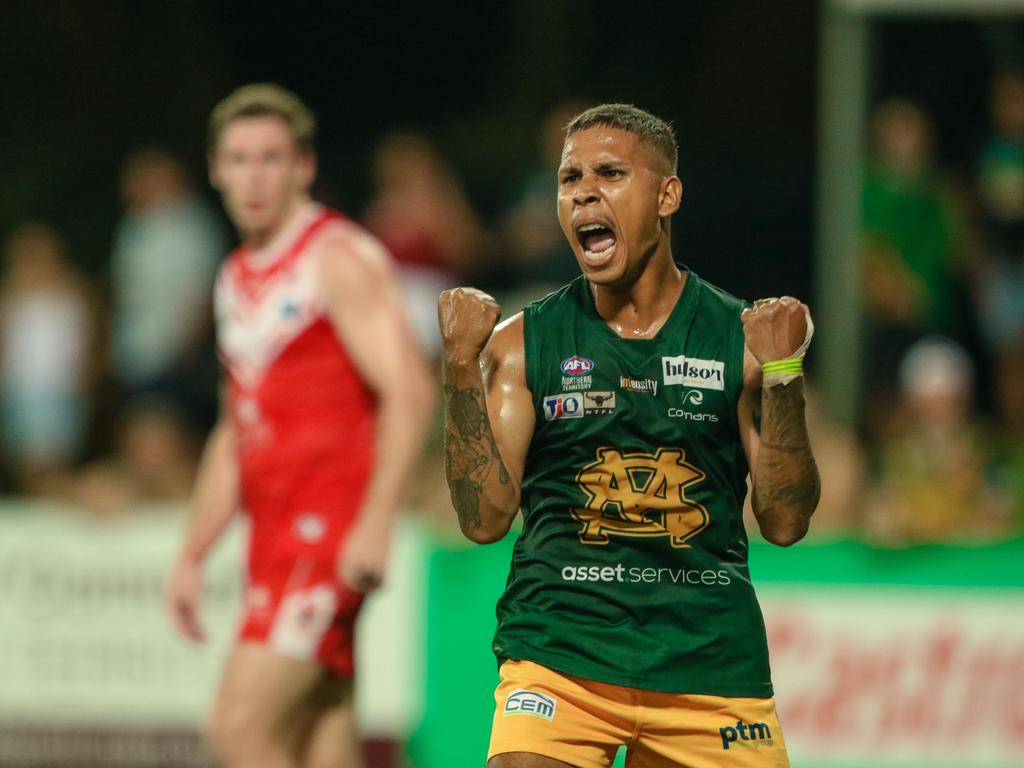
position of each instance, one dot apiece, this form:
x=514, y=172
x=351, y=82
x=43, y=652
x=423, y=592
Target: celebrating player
x=327, y=402
x=622, y=414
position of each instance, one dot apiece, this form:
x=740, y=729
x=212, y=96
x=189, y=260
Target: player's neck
x=640, y=309
x=264, y=245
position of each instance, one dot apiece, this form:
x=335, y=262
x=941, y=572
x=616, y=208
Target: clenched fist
x=775, y=329
x=467, y=317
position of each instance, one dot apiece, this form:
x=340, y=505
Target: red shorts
x=298, y=608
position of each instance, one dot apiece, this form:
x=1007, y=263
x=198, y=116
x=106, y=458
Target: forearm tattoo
x=787, y=480
x=471, y=454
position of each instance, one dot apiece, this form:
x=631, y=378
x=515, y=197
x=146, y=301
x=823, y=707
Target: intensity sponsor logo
x=598, y=403
x=746, y=735
x=644, y=386
x=622, y=574
x=524, y=702
x=568, y=405
x=693, y=372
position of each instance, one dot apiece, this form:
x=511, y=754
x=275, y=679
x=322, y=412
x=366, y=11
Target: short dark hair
x=649, y=128
x=260, y=100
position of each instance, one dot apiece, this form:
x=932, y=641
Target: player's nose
x=586, y=192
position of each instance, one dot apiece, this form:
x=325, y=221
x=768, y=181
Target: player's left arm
x=784, y=475
x=365, y=307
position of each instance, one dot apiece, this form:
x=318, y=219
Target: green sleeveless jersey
x=631, y=567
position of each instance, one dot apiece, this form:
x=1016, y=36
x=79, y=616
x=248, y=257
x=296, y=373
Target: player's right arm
x=489, y=412
x=214, y=502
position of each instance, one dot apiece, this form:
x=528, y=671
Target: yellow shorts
x=584, y=723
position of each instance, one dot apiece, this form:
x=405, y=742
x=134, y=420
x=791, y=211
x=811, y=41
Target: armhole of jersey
x=529, y=350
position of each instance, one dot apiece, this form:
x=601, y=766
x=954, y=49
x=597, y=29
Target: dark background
x=82, y=83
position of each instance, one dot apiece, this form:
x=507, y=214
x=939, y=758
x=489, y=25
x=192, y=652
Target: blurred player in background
x=623, y=414
x=327, y=405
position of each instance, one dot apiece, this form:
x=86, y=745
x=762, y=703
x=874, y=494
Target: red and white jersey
x=303, y=416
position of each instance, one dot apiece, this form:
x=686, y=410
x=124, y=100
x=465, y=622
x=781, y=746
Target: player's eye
x=570, y=177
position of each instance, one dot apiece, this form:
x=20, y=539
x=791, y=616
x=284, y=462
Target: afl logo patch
x=577, y=366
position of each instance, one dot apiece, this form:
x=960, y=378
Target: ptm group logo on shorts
x=746, y=735
x=524, y=702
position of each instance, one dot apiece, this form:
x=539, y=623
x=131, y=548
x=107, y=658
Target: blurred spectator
x=912, y=257
x=936, y=480
x=155, y=462
x=534, y=245
x=166, y=251
x=421, y=213
x=1001, y=269
x=46, y=333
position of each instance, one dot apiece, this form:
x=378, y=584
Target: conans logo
x=577, y=366
x=639, y=494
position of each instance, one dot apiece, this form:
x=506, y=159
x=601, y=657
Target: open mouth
x=598, y=242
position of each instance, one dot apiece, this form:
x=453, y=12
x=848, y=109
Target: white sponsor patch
x=302, y=619
x=693, y=372
x=568, y=405
x=524, y=702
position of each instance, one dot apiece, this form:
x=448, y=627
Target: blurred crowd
x=108, y=386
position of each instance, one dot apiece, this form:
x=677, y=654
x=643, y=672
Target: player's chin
x=601, y=269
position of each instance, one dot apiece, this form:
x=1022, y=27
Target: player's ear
x=307, y=169
x=670, y=195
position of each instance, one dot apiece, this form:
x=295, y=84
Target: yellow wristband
x=782, y=371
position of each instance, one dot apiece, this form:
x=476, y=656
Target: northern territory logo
x=693, y=372
x=568, y=405
x=639, y=494
x=576, y=372
x=524, y=702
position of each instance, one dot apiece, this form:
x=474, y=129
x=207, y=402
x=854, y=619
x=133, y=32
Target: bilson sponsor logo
x=565, y=406
x=634, y=575
x=746, y=735
x=524, y=702
x=646, y=386
x=693, y=372
x=598, y=403
x=577, y=366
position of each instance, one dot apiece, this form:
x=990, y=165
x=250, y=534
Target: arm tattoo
x=787, y=486
x=471, y=452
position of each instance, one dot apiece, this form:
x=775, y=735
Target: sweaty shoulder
x=505, y=347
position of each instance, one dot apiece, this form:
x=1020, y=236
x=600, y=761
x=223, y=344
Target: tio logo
x=756, y=732
x=568, y=406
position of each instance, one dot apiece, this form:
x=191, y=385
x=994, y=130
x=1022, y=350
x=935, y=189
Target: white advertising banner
x=887, y=676
x=84, y=639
